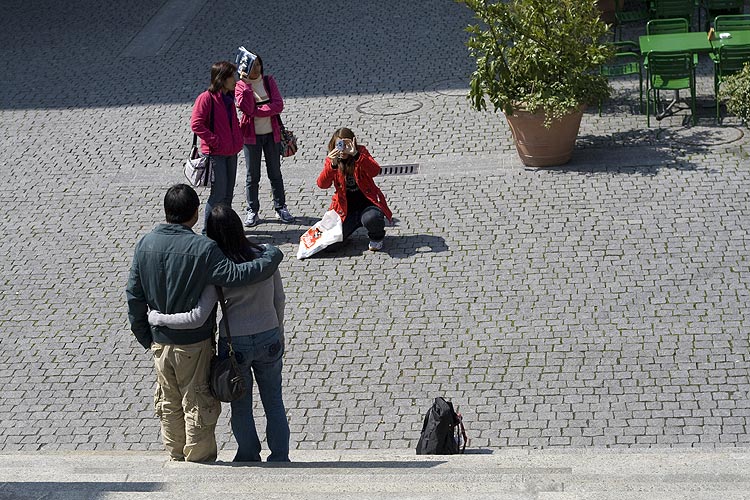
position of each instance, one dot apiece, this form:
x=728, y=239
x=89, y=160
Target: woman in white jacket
x=256, y=319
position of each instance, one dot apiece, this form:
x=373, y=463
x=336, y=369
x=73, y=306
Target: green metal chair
x=669, y=9
x=727, y=61
x=739, y=22
x=627, y=61
x=625, y=15
x=668, y=26
x=714, y=8
x=665, y=26
x=669, y=71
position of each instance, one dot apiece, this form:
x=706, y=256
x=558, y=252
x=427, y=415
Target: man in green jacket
x=171, y=267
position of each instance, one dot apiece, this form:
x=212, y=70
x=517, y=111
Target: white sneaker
x=252, y=219
x=375, y=246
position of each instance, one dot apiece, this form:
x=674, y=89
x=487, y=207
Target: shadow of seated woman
x=397, y=247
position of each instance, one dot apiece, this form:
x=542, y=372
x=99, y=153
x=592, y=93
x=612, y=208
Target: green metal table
x=738, y=38
x=696, y=42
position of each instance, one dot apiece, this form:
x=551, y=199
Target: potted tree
x=538, y=61
x=736, y=90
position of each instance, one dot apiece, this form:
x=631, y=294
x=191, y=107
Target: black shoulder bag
x=225, y=379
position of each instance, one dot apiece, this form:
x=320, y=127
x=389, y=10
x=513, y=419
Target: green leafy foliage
x=537, y=55
x=736, y=90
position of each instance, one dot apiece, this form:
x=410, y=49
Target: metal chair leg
x=717, y=85
x=692, y=99
x=640, y=91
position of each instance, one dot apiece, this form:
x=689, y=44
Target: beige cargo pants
x=182, y=401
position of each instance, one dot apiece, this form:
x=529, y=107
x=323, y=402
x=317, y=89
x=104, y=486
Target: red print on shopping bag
x=311, y=236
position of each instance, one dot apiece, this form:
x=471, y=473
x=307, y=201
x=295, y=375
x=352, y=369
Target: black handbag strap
x=210, y=124
x=225, y=319
x=230, y=349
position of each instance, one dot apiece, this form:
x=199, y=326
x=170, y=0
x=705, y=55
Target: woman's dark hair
x=260, y=63
x=220, y=71
x=180, y=203
x=224, y=226
x=346, y=166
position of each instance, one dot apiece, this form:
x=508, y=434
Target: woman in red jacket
x=357, y=200
x=215, y=121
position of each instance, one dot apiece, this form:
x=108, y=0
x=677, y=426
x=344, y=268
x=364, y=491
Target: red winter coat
x=226, y=137
x=245, y=98
x=365, y=168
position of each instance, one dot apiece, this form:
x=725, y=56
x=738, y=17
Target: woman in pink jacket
x=214, y=120
x=260, y=101
x=357, y=200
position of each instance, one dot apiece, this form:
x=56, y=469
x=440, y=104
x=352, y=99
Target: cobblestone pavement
x=601, y=304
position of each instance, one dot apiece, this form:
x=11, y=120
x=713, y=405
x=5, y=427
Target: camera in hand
x=340, y=144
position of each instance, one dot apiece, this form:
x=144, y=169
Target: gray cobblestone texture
x=600, y=304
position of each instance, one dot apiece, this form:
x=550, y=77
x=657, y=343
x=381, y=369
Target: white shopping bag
x=325, y=232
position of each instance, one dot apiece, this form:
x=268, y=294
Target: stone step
x=535, y=474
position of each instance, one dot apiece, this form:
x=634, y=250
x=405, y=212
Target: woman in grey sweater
x=256, y=319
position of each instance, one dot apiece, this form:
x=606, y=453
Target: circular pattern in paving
x=704, y=136
x=452, y=87
x=389, y=106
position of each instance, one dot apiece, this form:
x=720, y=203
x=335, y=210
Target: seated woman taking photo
x=350, y=168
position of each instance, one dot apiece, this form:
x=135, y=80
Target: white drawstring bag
x=325, y=232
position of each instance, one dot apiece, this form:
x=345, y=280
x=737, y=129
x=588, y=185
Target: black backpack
x=443, y=431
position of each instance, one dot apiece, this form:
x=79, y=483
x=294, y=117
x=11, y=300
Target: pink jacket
x=226, y=137
x=245, y=99
x=365, y=168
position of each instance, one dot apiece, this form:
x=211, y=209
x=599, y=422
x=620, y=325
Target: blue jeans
x=264, y=146
x=222, y=188
x=259, y=355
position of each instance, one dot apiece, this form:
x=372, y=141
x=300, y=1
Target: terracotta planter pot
x=544, y=147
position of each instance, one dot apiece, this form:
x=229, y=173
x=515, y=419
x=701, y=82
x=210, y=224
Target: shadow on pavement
x=402, y=247
x=478, y=451
x=397, y=247
x=642, y=152
x=344, y=464
x=82, y=50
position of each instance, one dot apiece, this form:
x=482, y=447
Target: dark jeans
x=222, y=188
x=264, y=146
x=372, y=218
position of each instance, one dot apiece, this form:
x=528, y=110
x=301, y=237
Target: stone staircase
x=397, y=474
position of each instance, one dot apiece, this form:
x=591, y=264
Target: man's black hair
x=180, y=204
